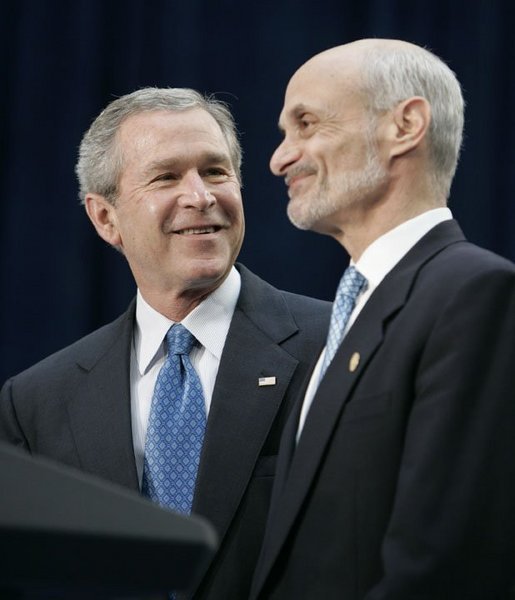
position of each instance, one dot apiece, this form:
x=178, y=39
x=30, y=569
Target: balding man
x=396, y=474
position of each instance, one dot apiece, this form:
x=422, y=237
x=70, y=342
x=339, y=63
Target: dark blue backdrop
x=62, y=61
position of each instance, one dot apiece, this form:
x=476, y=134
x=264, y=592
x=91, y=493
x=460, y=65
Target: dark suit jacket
x=402, y=485
x=75, y=407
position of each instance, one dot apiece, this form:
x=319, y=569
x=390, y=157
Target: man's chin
x=301, y=218
x=207, y=273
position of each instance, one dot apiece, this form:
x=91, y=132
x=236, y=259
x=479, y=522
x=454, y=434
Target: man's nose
x=195, y=193
x=285, y=155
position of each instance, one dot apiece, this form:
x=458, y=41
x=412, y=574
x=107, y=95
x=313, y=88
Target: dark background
x=63, y=61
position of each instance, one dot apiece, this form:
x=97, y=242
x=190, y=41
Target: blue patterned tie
x=175, y=427
x=351, y=285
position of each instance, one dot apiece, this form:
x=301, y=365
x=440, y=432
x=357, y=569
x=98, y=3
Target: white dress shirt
x=375, y=263
x=209, y=322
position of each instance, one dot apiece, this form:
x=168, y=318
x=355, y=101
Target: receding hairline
x=336, y=68
x=348, y=59
x=348, y=63
x=176, y=112
x=336, y=64
x=359, y=48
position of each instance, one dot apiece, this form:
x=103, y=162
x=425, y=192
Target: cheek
x=240, y=222
x=155, y=205
x=232, y=203
x=151, y=212
x=137, y=225
x=238, y=208
x=234, y=210
x=319, y=157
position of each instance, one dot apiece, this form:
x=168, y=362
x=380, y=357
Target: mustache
x=299, y=170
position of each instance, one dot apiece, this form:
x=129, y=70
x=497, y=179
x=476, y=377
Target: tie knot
x=179, y=339
x=351, y=283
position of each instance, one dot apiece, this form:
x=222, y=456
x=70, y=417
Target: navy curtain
x=62, y=61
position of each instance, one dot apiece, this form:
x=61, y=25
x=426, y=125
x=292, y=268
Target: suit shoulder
x=255, y=286
x=311, y=315
x=482, y=256
x=457, y=274
x=259, y=295
x=305, y=304
x=464, y=260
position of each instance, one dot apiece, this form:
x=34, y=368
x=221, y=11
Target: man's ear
x=409, y=125
x=103, y=216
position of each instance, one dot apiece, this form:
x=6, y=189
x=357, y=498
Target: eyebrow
x=208, y=158
x=297, y=111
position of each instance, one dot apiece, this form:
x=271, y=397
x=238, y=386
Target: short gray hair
x=391, y=75
x=100, y=161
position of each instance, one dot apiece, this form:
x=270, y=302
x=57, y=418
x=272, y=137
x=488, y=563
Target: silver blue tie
x=351, y=285
x=176, y=427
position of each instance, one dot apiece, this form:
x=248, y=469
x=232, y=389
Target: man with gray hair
x=184, y=396
x=396, y=471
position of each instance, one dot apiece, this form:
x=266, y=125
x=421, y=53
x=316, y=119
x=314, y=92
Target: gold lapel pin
x=267, y=381
x=354, y=362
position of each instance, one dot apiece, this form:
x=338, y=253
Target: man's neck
x=175, y=306
x=364, y=227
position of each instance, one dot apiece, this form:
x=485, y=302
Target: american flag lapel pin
x=262, y=381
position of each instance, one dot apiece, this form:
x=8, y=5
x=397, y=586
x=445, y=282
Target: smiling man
x=159, y=172
x=396, y=475
x=179, y=216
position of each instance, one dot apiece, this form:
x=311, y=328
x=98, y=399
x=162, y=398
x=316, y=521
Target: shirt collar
x=384, y=253
x=209, y=322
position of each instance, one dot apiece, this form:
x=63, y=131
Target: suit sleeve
x=452, y=528
x=10, y=429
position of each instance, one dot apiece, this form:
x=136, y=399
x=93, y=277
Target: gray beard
x=348, y=189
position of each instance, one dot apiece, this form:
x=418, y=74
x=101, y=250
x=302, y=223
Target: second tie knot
x=179, y=340
x=351, y=284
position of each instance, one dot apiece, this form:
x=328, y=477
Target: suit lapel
x=242, y=412
x=100, y=412
x=363, y=339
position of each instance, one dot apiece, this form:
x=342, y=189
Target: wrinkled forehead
x=321, y=85
x=180, y=123
x=167, y=131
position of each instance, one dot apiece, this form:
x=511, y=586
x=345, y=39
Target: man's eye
x=167, y=176
x=305, y=123
x=216, y=172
